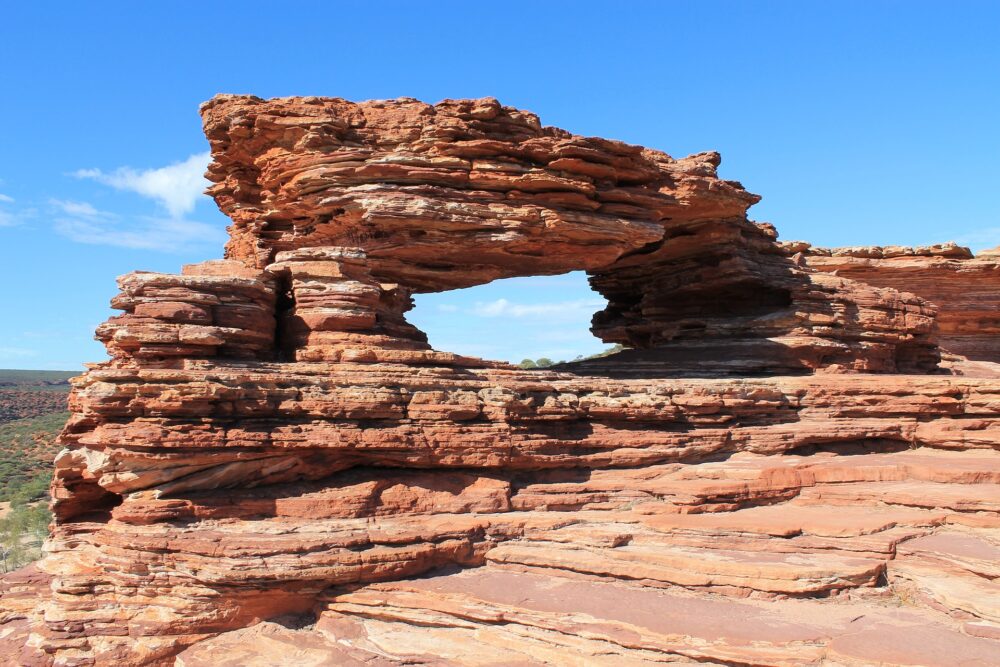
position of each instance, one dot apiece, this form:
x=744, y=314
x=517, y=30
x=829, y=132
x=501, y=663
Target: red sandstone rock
x=20, y=593
x=444, y=196
x=494, y=616
x=964, y=289
x=464, y=192
x=272, y=439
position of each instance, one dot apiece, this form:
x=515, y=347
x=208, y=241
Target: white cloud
x=982, y=239
x=7, y=219
x=79, y=208
x=448, y=308
x=566, y=336
x=177, y=186
x=15, y=218
x=81, y=222
x=505, y=308
x=16, y=353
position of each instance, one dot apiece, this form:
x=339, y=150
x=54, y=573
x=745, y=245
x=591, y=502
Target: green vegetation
x=18, y=404
x=27, y=447
x=22, y=532
x=35, y=377
x=35, y=380
x=545, y=362
x=32, y=393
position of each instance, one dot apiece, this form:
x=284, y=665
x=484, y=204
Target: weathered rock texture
x=272, y=441
x=464, y=192
x=964, y=289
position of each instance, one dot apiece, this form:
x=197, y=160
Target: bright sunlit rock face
x=965, y=288
x=776, y=469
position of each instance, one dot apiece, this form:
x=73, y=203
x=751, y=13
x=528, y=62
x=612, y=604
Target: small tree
x=12, y=552
x=38, y=521
x=527, y=363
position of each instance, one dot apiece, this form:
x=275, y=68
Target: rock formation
x=964, y=289
x=275, y=466
x=464, y=192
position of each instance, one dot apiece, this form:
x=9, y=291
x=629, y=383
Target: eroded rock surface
x=964, y=288
x=274, y=466
x=463, y=192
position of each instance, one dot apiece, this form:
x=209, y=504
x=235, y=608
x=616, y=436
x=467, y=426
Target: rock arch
x=274, y=434
x=464, y=192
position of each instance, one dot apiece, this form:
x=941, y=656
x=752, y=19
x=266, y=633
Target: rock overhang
x=450, y=195
x=464, y=192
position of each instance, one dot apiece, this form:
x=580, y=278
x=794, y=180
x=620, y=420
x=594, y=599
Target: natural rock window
x=541, y=318
x=272, y=435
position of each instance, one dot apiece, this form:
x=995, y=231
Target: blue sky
x=859, y=123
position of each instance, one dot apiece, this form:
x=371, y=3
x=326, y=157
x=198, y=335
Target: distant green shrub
x=26, y=451
x=22, y=532
x=25, y=378
x=545, y=362
x=27, y=447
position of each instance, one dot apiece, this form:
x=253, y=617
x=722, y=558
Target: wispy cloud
x=9, y=218
x=981, y=239
x=448, y=308
x=177, y=186
x=570, y=335
x=16, y=353
x=505, y=308
x=80, y=209
x=83, y=223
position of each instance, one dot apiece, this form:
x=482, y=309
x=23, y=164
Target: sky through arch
x=513, y=318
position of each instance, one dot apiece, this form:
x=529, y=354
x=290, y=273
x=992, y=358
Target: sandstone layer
x=463, y=192
x=274, y=466
x=965, y=289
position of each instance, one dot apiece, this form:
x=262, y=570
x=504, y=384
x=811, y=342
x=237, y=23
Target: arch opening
x=534, y=321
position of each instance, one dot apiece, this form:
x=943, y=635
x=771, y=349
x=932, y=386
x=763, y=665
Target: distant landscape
x=545, y=362
x=32, y=412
